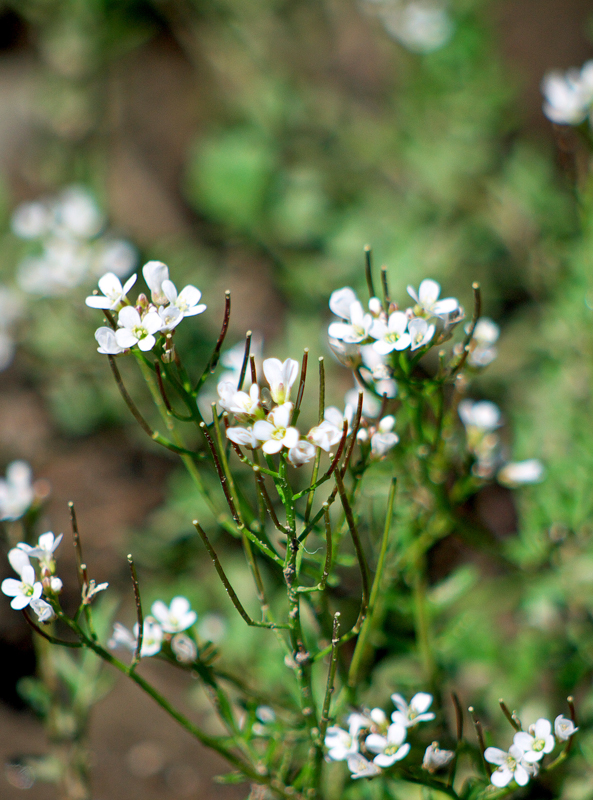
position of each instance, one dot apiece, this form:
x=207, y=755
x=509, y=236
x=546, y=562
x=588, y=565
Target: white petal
x=147, y=343
x=129, y=317
x=341, y=300
x=494, y=755
x=429, y=292
x=11, y=587
x=97, y=301
x=170, y=291
x=110, y=285
x=125, y=338
x=501, y=777
x=18, y=559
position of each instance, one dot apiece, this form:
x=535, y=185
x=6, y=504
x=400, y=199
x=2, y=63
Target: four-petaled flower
x=135, y=329
x=187, y=301
x=114, y=294
x=275, y=432
x=390, y=748
x=25, y=591
x=46, y=546
x=420, y=332
x=428, y=299
x=415, y=712
x=175, y=618
x=392, y=335
x=509, y=765
x=357, y=330
x=537, y=742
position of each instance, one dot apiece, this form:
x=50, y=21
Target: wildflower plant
x=294, y=500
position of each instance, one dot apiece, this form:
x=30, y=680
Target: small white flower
x=107, y=342
x=537, y=742
x=435, y=758
x=114, y=255
x=170, y=316
x=274, y=431
x=155, y=273
x=331, y=430
x=24, y=591
x=392, y=335
x=44, y=611
x=383, y=440
x=265, y=714
x=184, y=648
x=137, y=330
x=245, y=406
x=187, y=301
x=16, y=491
x=121, y=637
x=357, y=330
x=428, y=299
x=483, y=415
x=77, y=213
x=516, y=473
x=44, y=550
x=281, y=376
x=340, y=743
x=415, y=712
x=564, y=728
x=301, y=453
x=341, y=301
x=361, y=768
x=420, y=332
x=390, y=748
x=152, y=637
x=568, y=96
x=175, y=618
x=31, y=220
x=509, y=765
x=485, y=335
x=371, y=405
x=245, y=437
x=114, y=294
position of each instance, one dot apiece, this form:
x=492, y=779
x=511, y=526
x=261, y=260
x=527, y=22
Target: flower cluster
x=372, y=743
x=266, y=415
x=523, y=758
x=569, y=95
x=168, y=624
x=481, y=419
x=71, y=244
x=139, y=324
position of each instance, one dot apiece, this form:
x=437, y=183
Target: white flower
x=155, y=273
x=46, y=546
x=78, y=214
x=187, y=301
x=390, y=748
x=420, y=332
x=435, y=758
x=31, y=220
x=137, y=330
x=274, y=431
x=44, y=611
x=244, y=405
x=113, y=292
x=330, y=431
x=152, y=637
x=428, y=299
x=341, y=301
x=415, y=712
x=177, y=617
x=564, y=728
x=301, y=453
x=16, y=491
x=281, y=376
x=340, y=743
x=392, y=335
x=482, y=352
x=115, y=255
x=107, y=342
x=18, y=559
x=482, y=415
x=243, y=436
x=516, y=473
x=568, y=96
x=170, y=316
x=184, y=648
x=509, y=765
x=361, y=768
x=421, y=26
x=265, y=714
x=383, y=440
x=357, y=330
x=24, y=591
x=121, y=637
x=212, y=627
x=537, y=742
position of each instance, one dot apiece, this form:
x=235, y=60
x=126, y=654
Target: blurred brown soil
x=158, y=105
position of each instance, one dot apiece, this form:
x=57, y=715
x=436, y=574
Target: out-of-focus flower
x=152, y=637
x=564, y=728
x=184, y=648
x=509, y=765
x=482, y=415
x=107, y=342
x=341, y=301
x=383, y=439
x=421, y=26
x=175, y=618
x=517, y=473
x=16, y=491
x=301, y=453
x=340, y=743
x=416, y=711
x=360, y=767
x=569, y=95
x=435, y=758
x=485, y=335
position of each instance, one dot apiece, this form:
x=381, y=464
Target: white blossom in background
x=371, y=405
x=175, y=618
x=152, y=637
x=421, y=26
x=212, y=627
x=482, y=352
x=185, y=648
x=482, y=416
x=16, y=491
x=564, y=728
x=508, y=766
x=113, y=255
x=360, y=767
x=518, y=473
x=281, y=375
x=416, y=711
x=341, y=301
x=383, y=439
x=568, y=95
x=11, y=310
x=435, y=758
x=77, y=214
x=340, y=743
x=114, y=294
x=135, y=329
x=536, y=743
x=420, y=332
x=31, y=220
x=389, y=748
x=44, y=550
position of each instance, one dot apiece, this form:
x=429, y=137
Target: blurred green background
x=258, y=145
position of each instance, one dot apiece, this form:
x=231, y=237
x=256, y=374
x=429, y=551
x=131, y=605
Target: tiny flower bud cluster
x=139, y=324
x=372, y=744
x=568, y=95
x=166, y=624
